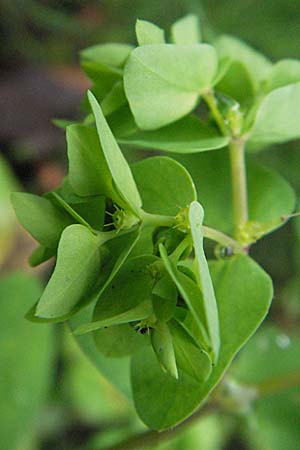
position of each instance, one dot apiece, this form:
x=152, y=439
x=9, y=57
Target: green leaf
x=269, y=195
x=41, y=218
x=116, y=370
x=284, y=72
x=114, y=254
x=62, y=123
x=118, y=166
x=162, y=344
x=127, y=298
x=148, y=33
x=186, y=31
x=88, y=171
x=104, y=78
x=244, y=292
x=119, y=340
x=77, y=269
x=164, y=298
x=190, y=358
x=26, y=361
x=196, y=216
x=89, y=394
x=111, y=54
x=90, y=208
x=61, y=202
x=277, y=118
x=258, y=65
x=190, y=293
x=271, y=363
x=103, y=64
x=40, y=255
x=237, y=83
x=7, y=217
x=165, y=185
x=161, y=401
x=189, y=135
x=114, y=100
x=163, y=82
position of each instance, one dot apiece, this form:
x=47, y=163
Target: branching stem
x=211, y=101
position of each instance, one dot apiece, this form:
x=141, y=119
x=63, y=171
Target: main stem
x=238, y=167
x=239, y=184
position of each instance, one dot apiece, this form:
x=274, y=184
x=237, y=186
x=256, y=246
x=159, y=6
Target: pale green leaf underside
x=111, y=54
x=77, y=268
x=163, y=82
x=88, y=171
x=278, y=117
x=186, y=31
x=189, y=135
x=43, y=220
x=148, y=33
x=244, y=292
x=115, y=160
x=196, y=216
x=284, y=72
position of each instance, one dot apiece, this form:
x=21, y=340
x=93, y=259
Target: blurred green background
x=51, y=397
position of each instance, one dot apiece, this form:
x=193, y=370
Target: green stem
x=239, y=184
x=151, y=438
x=222, y=239
x=156, y=220
x=211, y=101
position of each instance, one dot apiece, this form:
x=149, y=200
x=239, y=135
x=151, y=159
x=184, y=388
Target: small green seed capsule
x=222, y=252
x=123, y=220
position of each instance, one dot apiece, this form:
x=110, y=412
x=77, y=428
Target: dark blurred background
x=40, y=79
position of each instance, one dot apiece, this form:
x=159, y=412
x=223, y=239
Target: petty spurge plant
x=132, y=278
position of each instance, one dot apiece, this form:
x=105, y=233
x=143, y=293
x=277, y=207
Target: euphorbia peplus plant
x=131, y=275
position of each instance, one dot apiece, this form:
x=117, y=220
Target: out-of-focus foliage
x=8, y=183
x=26, y=365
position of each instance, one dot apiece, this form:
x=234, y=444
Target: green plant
x=132, y=278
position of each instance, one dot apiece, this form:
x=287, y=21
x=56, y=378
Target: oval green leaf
x=118, y=166
x=164, y=184
x=163, y=82
x=77, y=269
x=244, y=292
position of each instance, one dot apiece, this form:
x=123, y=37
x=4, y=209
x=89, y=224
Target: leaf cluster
x=131, y=275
